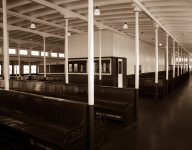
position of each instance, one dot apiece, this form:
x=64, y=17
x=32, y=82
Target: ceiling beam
x=153, y=18
x=44, y=34
x=39, y=20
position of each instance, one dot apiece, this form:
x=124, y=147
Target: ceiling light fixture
x=160, y=44
x=32, y=26
x=97, y=11
x=69, y=34
x=125, y=26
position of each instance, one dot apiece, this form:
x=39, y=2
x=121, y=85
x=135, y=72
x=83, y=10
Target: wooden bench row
x=147, y=83
x=45, y=123
x=117, y=104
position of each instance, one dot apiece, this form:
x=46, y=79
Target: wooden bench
x=147, y=86
x=45, y=123
x=118, y=104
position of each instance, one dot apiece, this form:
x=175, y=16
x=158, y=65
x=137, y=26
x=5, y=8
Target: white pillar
x=188, y=62
x=167, y=63
x=90, y=54
x=44, y=57
x=29, y=68
x=5, y=47
x=66, y=51
x=156, y=52
x=136, y=10
x=16, y=67
x=173, y=58
x=19, y=61
x=178, y=60
x=100, y=77
x=49, y=69
x=181, y=61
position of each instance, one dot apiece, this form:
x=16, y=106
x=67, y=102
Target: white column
x=29, y=68
x=156, y=52
x=188, y=62
x=184, y=61
x=167, y=63
x=5, y=47
x=181, y=61
x=66, y=51
x=90, y=54
x=100, y=77
x=44, y=57
x=8, y=50
x=178, y=60
x=136, y=10
x=173, y=59
x=49, y=69
x=19, y=61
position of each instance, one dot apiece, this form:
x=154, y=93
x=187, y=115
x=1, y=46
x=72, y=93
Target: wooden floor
x=166, y=127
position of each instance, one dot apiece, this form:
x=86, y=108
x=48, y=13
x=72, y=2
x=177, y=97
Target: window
x=16, y=69
x=42, y=53
x=26, y=69
x=53, y=54
x=61, y=55
x=23, y=52
x=10, y=69
x=12, y=51
x=36, y=53
x=33, y=69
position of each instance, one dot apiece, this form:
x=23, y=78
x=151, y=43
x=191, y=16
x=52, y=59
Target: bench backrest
x=58, y=113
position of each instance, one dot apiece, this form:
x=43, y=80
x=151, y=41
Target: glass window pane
x=23, y=52
x=10, y=69
x=16, y=69
x=36, y=53
x=53, y=54
x=12, y=51
x=61, y=55
x=33, y=68
x=26, y=69
x=42, y=53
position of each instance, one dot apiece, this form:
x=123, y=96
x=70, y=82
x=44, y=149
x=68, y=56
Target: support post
x=178, y=67
x=156, y=62
x=29, y=70
x=173, y=64
x=19, y=62
x=167, y=63
x=100, y=77
x=91, y=74
x=136, y=10
x=66, y=51
x=5, y=46
x=44, y=58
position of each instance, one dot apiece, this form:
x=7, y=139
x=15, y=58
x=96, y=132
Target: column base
x=91, y=134
x=156, y=94
x=136, y=104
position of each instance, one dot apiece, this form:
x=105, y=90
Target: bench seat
x=42, y=122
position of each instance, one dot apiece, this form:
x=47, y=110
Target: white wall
x=117, y=45
x=125, y=47
x=78, y=44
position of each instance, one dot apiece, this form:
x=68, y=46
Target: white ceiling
x=175, y=17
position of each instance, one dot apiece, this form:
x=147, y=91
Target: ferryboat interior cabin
x=80, y=75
